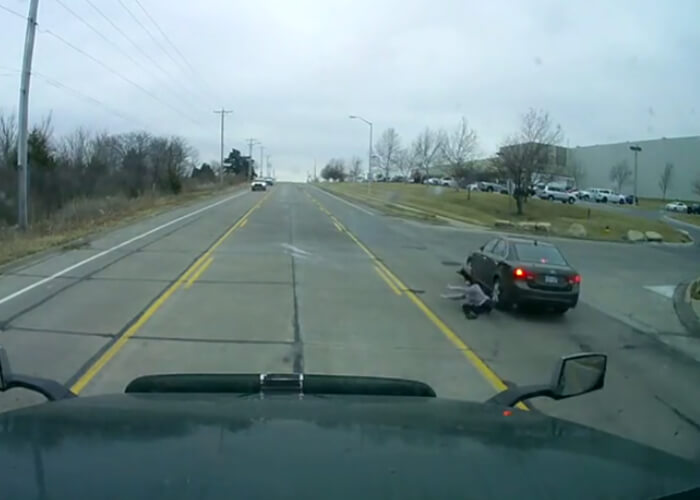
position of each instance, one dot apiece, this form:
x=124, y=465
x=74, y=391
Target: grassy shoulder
x=487, y=208
x=689, y=218
x=83, y=217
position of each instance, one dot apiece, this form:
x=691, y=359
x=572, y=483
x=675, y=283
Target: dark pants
x=472, y=312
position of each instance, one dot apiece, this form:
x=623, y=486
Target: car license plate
x=551, y=280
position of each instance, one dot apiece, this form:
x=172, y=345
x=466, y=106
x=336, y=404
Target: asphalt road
x=296, y=279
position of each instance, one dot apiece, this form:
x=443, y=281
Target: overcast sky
x=292, y=71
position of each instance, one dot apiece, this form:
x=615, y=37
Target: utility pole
x=269, y=174
x=251, y=142
x=23, y=120
x=262, y=165
x=223, y=112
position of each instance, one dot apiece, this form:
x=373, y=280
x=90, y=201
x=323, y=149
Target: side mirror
x=578, y=374
x=574, y=375
x=50, y=389
x=482, y=247
x=4, y=369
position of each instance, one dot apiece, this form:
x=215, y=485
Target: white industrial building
x=682, y=152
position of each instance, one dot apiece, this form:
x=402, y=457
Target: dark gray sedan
x=524, y=271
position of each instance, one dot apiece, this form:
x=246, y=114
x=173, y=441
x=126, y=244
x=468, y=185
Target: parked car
x=694, y=208
x=398, y=178
x=524, y=271
x=557, y=193
x=433, y=181
x=607, y=196
x=582, y=194
x=677, y=206
x=492, y=187
x=629, y=199
x=448, y=181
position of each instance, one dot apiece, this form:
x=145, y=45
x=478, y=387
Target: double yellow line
x=397, y=286
x=189, y=277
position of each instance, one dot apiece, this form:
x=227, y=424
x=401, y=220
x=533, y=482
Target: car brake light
x=521, y=274
x=575, y=279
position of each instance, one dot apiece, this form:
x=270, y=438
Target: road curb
x=682, y=303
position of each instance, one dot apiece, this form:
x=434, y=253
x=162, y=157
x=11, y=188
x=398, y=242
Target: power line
x=165, y=36
x=116, y=73
x=172, y=45
x=86, y=97
x=110, y=42
x=151, y=36
x=12, y=11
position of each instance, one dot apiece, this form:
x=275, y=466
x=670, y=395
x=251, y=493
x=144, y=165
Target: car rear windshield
x=542, y=254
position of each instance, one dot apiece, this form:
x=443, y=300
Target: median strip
x=387, y=280
x=201, y=270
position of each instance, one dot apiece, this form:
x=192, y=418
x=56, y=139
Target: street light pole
x=369, y=155
x=23, y=120
x=636, y=150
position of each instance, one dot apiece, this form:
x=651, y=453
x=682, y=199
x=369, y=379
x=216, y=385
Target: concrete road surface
x=296, y=279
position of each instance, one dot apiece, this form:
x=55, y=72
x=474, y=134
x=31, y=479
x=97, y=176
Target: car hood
x=222, y=446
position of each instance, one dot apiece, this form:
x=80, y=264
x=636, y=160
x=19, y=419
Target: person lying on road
x=474, y=300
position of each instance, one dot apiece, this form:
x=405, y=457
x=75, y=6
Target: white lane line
x=68, y=269
x=345, y=201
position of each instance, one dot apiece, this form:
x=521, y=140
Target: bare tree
x=355, y=169
x=459, y=151
x=425, y=150
x=8, y=140
x=403, y=162
x=620, y=174
x=527, y=153
x=386, y=149
x=665, y=179
x=334, y=170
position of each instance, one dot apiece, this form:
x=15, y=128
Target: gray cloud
x=293, y=71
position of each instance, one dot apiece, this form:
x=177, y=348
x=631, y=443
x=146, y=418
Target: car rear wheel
x=560, y=309
x=572, y=201
x=500, y=300
x=550, y=197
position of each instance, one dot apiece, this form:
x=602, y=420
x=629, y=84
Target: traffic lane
x=54, y=330
x=35, y=281
x=649, y=396
x=289, y=291
x=355, y=320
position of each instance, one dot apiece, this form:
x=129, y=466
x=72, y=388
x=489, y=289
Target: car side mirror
x=481, y=248
x=578, y=374
x=574, y=375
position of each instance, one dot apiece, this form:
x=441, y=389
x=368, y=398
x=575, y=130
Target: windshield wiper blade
x=293, y=383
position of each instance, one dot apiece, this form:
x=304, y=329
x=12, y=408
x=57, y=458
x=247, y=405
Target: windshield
x=298, y=187
x=541, y=254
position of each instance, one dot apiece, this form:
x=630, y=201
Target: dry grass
x=82, y=217
x=486, y=208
